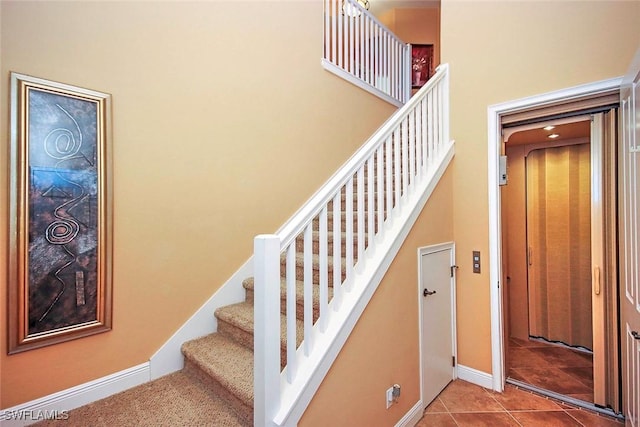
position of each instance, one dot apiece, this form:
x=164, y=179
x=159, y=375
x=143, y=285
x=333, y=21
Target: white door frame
x=425, y=251
x=495, y=112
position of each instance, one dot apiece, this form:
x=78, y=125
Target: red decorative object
x=421, y=64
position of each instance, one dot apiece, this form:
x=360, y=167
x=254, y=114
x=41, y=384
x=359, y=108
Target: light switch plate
x=476, y=262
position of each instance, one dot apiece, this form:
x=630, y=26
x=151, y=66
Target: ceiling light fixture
x=349, y=8
x=549, y=127
x=553, y=136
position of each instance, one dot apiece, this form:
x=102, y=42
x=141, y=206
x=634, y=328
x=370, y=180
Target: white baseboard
x=412, y=417
x=475, y=377
x=169, y=358
x=57, y=405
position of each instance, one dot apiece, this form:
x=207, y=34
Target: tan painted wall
x=383, y=348
x=500, y=51
x=223, y=125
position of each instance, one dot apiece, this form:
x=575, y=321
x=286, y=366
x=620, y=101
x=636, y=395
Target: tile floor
x=551, y=367
x=463, y=404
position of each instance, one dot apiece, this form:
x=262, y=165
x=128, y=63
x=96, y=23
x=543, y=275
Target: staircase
x=223, y=361
x=314, y=278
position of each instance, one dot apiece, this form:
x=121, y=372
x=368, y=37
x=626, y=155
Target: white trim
x=476, y=377
x=412, y=417
x=169, y=357
x=77, y=396
x=495, y=112
x=329, y=66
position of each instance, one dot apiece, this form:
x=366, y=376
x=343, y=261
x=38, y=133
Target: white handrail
x=359, y=48
x=323, y=251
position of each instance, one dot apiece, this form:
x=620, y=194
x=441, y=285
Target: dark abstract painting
x=59, y=153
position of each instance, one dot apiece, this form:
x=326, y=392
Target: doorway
x=596, y=102
x=546, y=231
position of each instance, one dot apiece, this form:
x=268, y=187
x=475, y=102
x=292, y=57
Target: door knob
x=427, y=292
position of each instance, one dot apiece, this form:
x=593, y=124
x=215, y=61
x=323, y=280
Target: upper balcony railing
x=360, y=49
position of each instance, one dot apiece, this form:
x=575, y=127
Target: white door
x=437, y=308
x=629, y=238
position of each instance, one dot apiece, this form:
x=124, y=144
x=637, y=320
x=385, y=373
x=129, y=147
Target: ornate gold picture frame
x=60, y=272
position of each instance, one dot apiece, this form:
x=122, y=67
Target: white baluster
x=348, y=207
x=308, y=289
x=388, y=170
x=405, y=157
x=324, y=270
x=337, y=251
x=380, y=187
x=291, y=311
x=360, y=213
x=370, y=199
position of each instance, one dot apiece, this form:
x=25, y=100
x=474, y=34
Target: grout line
x=578, y=421
x=514, y=418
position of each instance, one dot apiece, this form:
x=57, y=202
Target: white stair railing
x=337, y=248
x=360, y=49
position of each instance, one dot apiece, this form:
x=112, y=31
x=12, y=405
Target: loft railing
x=360, y=49
x=328, y=259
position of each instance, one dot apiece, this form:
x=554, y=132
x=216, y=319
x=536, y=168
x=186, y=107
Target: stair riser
x=244, y=411
x=246, y=339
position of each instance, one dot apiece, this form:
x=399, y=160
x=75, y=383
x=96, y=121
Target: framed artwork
x=421, y=64
x=60, y=269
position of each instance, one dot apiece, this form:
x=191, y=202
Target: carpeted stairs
x=215, y=387
x=223, y=361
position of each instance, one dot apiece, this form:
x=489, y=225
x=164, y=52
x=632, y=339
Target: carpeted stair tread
x=241, y=316
x=226, y=361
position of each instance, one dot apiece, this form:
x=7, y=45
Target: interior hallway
x=463, y=404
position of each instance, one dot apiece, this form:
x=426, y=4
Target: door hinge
x=453, y=361
x=453, y=269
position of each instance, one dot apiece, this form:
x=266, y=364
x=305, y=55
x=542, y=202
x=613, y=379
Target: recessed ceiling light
x=553, y=136
x=549, y=127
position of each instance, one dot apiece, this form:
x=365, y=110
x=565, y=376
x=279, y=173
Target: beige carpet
x=173, y=400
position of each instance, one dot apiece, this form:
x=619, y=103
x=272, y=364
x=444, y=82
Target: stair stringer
x=367, y=277
x=169, y=357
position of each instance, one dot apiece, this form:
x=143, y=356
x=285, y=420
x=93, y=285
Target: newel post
x=266, y=374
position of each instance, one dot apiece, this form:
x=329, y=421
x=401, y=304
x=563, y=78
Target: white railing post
x=266, y=381
x=407, y=75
